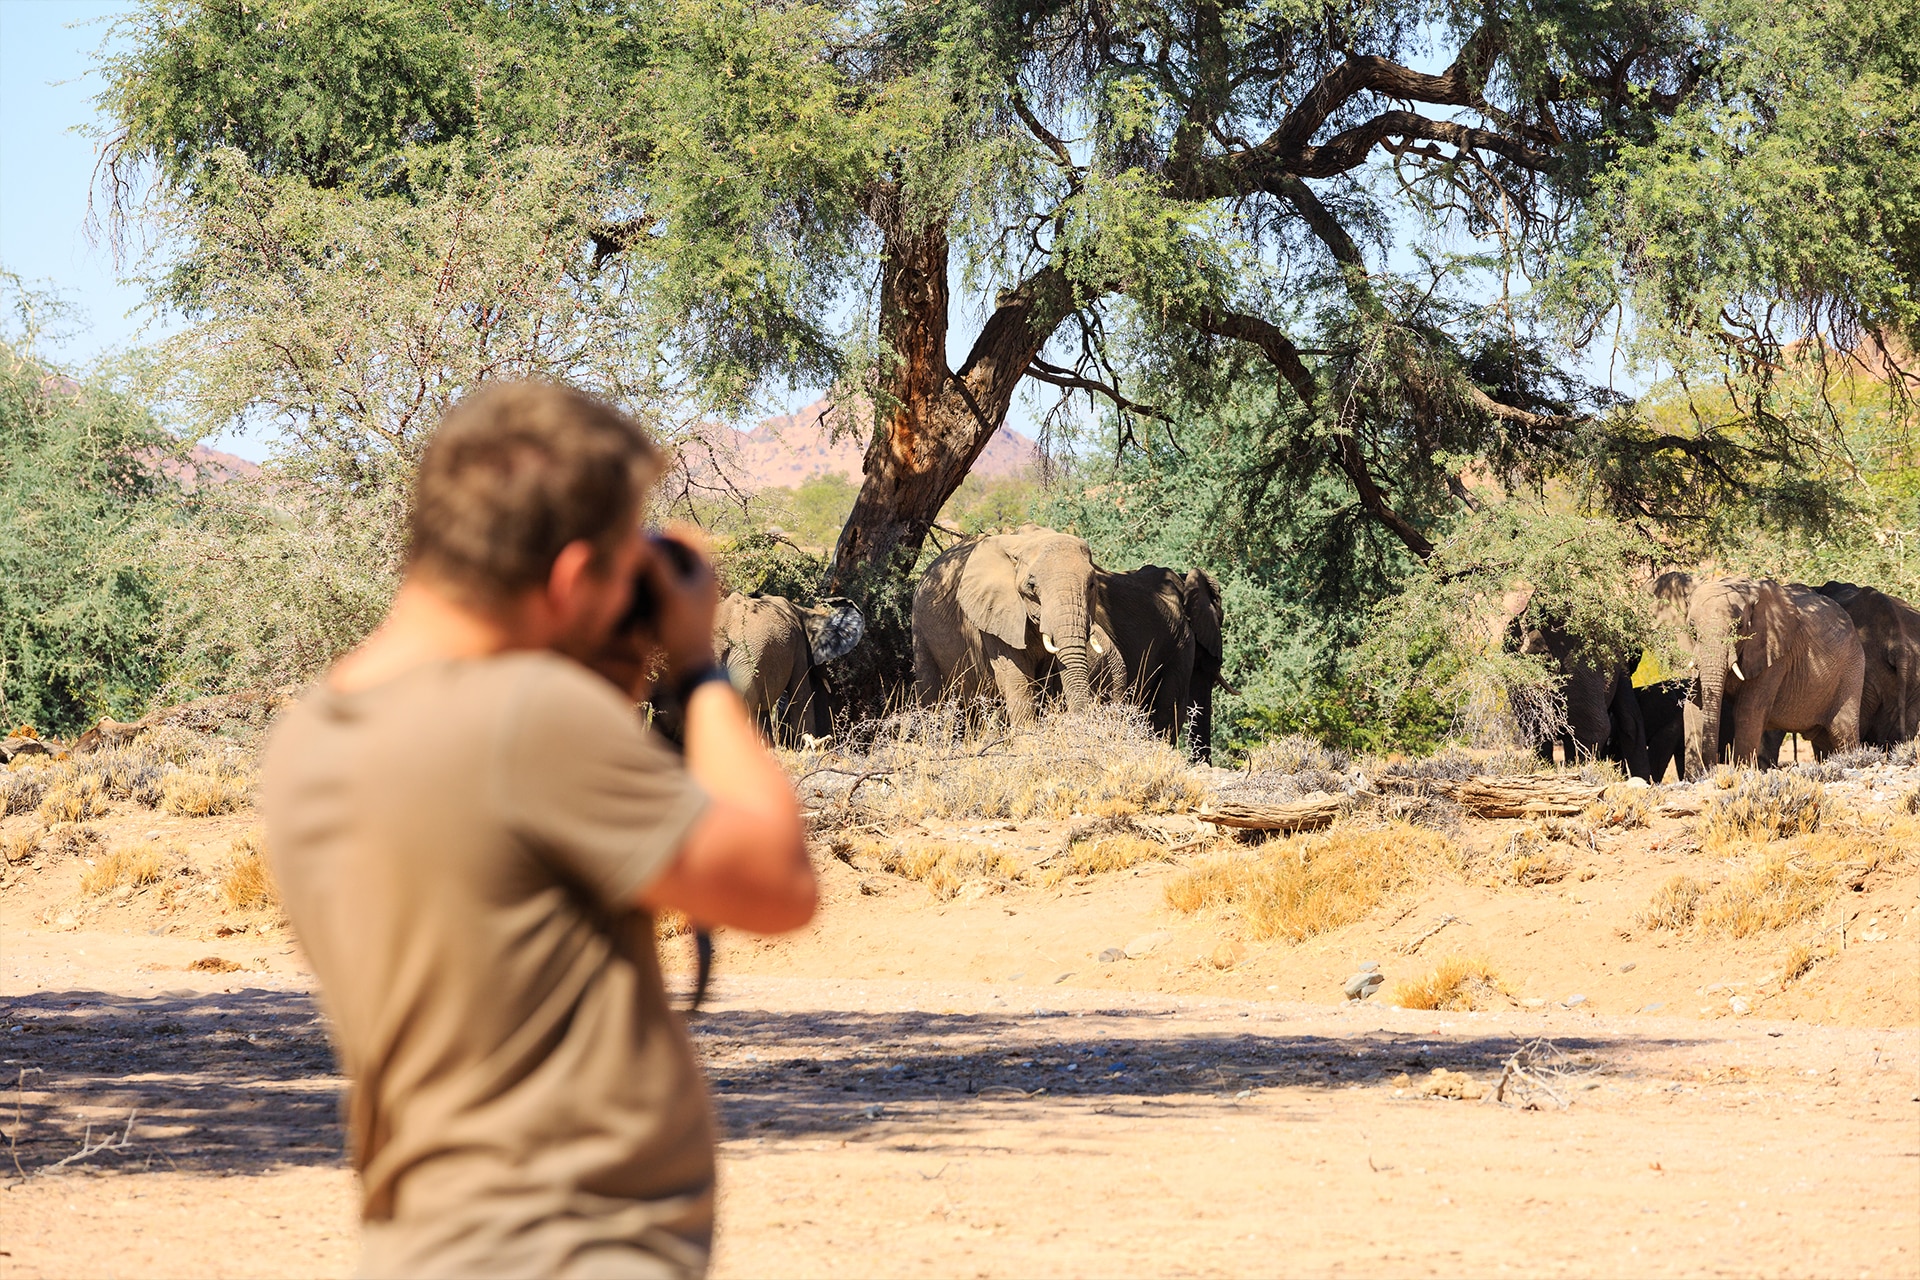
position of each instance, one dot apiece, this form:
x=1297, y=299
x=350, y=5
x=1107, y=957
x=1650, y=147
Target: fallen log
x=1309, y=813
x=1532, y=796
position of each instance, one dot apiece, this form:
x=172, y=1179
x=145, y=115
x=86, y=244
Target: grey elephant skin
x=1604, y=719
x=1889, y=631
x=995, y=615
x=1770, y=655
x=1162, y=632
x=774, y=648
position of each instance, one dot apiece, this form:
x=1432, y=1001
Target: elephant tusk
x=1047, y=640
x=1095, y=642
x=1738, y=674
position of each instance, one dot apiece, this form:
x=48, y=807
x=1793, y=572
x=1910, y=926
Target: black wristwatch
x=683, y=687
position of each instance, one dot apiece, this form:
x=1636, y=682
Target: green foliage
x=79, y=477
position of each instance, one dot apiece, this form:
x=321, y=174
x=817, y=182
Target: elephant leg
x=929, y=682
x=1770, y=744
x=1016, y=687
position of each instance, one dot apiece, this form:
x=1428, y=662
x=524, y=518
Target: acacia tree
x=1357, y=201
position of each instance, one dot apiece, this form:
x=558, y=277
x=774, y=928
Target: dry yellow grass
x=1765, y=806
x=1799, y=961
x=136, y=864
x=73, y=799
x=1620, y=806
x=1103, y=851
x=19, y=846
x=245, y=882
x=937, y=762
x=669, y=923
x=1456, y=985
x=942, y=865
x=1673, y=905
x=205, y=790
x=1308, y=884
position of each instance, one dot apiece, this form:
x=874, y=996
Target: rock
x=1629, y=967
x=1442, y=1083
x=1112, y=954
x=1740, y=1005
x=1402, y=1081
x=1370, y=966
x=14, y=748
x=1145, y=943
x=1223, y=957
x=1364, y=984
x=1574, y=1002
x=1655, y=1007
x=1533, y=1002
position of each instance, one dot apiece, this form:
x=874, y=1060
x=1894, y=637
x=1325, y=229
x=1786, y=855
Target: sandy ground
x=922, y=1088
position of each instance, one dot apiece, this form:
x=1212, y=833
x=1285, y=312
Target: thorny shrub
x=21, y=786
x=1770, y=806
x=1306, y=885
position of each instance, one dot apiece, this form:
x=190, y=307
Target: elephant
x=1162, y=632
x=773, y=648
x=998, y=613
x=1769, y=655
x=1603, y=712
x=1889, y=631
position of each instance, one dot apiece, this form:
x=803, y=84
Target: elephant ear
x=1204, y=614
x=990, y=593
x=834, y=627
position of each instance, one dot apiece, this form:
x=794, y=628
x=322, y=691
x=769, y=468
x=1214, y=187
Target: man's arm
x=744, y=862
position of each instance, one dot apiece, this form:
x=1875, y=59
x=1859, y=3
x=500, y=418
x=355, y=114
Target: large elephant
x=1603, y=712
x=1889, y=631
x=773, y=648
x=1162, y=632
x=1769, y=655
x=996, y=614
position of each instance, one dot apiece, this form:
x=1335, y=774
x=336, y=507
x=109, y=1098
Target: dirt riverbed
x=917, y=1087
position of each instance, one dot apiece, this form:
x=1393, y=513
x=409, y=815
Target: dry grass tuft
x=1306, y=885
x=206, y=789
x=1112, y=844
x=245, y=882
x=671, y=923
x=215, y=964
x=1673, y=905
x=1457, y=984
x=20, y=846
x=1909, y=803
x=139, y=863
x=1296, y=753
x=73, y=799
x=1799, y=962
x=1766, y=806
x=940, y=762
x=1621, y=806
x=21, y=786
x=944, y=866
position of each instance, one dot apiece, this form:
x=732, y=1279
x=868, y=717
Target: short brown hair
x=516, y=472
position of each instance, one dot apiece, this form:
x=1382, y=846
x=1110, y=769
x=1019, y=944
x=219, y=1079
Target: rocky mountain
x=784, y=451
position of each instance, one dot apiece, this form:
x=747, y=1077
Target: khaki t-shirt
x=459, y=849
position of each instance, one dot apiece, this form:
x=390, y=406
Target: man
x=472, y=834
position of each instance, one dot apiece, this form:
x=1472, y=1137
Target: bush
x=73, y=798
x=1768, y=806
x=1673, y=906
x=201, y=792
x=245, y=882
x=1458, y=984
x=136, y=864
x=943, y=866
x=1303, y=886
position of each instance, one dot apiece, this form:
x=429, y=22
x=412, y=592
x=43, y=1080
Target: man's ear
x=574, y=563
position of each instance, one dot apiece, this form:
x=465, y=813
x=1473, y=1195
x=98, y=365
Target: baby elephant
x=771, y=645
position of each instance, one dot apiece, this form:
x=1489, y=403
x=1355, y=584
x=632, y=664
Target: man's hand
x=683, y=621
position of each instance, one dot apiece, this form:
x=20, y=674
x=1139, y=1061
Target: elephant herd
x=1838, y=664
x=1010, y=616
x=1019, y=616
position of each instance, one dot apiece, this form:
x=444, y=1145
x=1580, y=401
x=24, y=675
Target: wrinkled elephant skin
x=1889, y=631
x=1603, y=713
x=997, y=614
x=1768, y=655
x=774, y=648
x=1162, y=631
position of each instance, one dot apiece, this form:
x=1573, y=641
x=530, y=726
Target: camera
x=684, y=562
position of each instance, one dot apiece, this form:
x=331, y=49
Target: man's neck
x=425, y=624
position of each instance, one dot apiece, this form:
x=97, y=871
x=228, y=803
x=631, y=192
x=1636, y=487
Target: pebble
x=1574, y=1002
x=1533, y=1002
x=1363, y=984
x=1629, y=967
x=1146, y=942
x=1112, y=954
x=1740, y=1005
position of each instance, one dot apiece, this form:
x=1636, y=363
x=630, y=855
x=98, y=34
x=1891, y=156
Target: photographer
x=472, y=833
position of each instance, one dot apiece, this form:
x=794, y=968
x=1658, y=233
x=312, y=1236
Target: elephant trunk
x=1064, y=631
x=1703, y=737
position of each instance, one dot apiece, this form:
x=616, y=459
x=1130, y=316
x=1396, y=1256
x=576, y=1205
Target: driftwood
x=1524, y=797
x=1309, y=813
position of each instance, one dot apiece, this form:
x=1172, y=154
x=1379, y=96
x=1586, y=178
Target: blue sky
x=46, y=167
